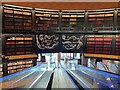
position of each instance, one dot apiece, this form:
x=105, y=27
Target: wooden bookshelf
x=46, y=20
x=17, y=19
x=13, y=57
x=1, y=69
x=18, y=52
x=18, y=45
x=99, y=44
x=27, y=20
x=100, y=20
x=102, y=56
x=16, y=66
x=73, y=20
x=117, y=45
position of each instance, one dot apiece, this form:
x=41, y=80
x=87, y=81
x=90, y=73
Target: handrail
x=69, y=78
x=115, y=66
x=20, y=79
x=24, y=76
x=99, y=71
x=100, y=80
x=36, y=79
x=105, y=67
x=84, y=85
x=92, y=64
x=18, y=73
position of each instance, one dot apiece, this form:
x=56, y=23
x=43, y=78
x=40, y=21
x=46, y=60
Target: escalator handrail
x=18, y=73
x=70, y=78
x=97, y=80
x=99, y=71
x=20, y=79
x=105, y=67
x=115, y=66
x=30, y=86
x=92, y=64
x=80, y=81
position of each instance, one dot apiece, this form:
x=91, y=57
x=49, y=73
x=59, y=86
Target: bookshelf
x=73, y=20
x=16, y=66
x=47, y=20
x=103, y=46
x=117, y=45
x=101, y=20
x=17, y=19
x=1, y=69
x=99, y=44
x=104, y=56
x=18, y=44
x=18, y=51
x=21, y=19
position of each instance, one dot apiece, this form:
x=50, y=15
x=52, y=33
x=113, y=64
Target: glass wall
x=50, y=56
x=70, y=55
x=54, y=56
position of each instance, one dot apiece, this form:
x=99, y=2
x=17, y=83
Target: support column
x=1, y=18
x=59, y=58
x=89, y=65
x=84, y=61
x=39, y=57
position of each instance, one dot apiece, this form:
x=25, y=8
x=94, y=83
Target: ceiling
x=67, y=5
x=60, y=0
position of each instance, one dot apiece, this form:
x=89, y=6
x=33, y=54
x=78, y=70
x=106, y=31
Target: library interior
x=64, y=45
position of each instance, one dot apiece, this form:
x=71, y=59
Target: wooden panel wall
x=68, y=5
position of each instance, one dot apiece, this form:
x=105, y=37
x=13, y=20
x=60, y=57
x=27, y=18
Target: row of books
x=101, y=45
x=72, y=21
x=17, y=45
x=18, y=49
x=20, y=12
x=17, y=20
x=101, y=19
x=46, y=23
x=117, y=46
x=1, y=70
x=19, y=64
x=18, y=68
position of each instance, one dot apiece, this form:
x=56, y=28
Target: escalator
x=79, y=77
x=39, y=76
x=91, y=78
x=41, y=81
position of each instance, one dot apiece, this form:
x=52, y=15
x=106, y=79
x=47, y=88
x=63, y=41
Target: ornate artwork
x=59, y=43
x=71, y=42
x=45, y=41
